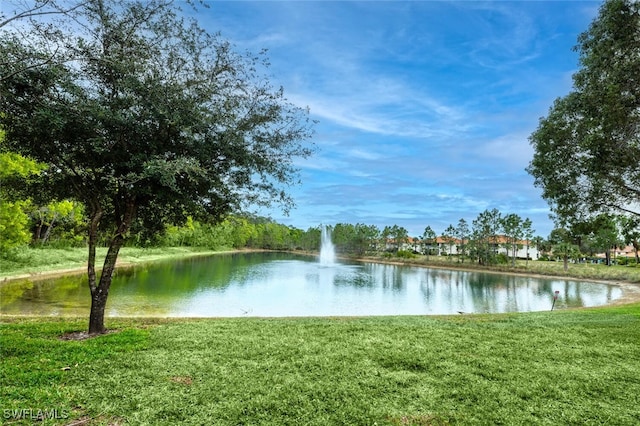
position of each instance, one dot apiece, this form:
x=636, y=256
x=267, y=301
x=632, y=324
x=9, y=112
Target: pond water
x=280, y=284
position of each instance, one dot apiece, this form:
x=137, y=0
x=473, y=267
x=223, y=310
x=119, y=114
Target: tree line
x=490, y=238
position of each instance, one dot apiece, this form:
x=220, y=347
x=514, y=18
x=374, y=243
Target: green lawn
x=562, y=367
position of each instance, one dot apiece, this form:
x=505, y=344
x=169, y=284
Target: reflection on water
x=277, y=284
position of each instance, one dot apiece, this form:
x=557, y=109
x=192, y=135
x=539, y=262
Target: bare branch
x=37, y=11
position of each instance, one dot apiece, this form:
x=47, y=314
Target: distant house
x=443, y=247
x=524, y=249
x=440, y=247
x=628, y=252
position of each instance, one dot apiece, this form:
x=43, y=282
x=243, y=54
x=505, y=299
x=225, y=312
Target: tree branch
x=36, y=11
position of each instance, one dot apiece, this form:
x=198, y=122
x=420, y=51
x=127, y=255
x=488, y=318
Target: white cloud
x=509, y=152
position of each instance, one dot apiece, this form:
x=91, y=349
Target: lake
x=283, y=285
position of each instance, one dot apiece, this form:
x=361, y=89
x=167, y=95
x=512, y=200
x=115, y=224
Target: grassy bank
x=564, y=367
x=33, y=262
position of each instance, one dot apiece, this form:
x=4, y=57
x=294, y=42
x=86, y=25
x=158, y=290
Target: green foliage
x=272, y=236
x=485, y=229
x=13, y=225
x=355, y=239
x=405, y=254
x=66, y=217
x=597, y=235
x=462, y=234
x=233, y=232
x=623, y=261
x=394, y=235
x=449, y=238
x=515, y=229
x=197, y=234
x=566, y=251
x=13, y=217
x=587, y=147
x=15, y=165
x=429, y=241
x=630, y=232
x=242, y=231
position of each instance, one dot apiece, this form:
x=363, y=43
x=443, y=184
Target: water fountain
x=277, y=284
x=327, y=250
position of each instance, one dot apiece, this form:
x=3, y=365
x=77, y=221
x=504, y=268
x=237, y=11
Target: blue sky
x=424, y=109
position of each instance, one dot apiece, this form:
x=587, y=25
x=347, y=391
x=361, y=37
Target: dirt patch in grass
x=183, y=380
x=84, y=335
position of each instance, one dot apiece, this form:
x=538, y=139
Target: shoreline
x=120, y=264
x=457, y=267
x=630, y=290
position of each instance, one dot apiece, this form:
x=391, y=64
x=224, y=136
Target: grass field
x=563, y=367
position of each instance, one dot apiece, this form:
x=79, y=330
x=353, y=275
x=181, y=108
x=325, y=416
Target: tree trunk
x=100, y=291
x=96, y=215
x=36, y=236
x=47, y=233
x=96, y=316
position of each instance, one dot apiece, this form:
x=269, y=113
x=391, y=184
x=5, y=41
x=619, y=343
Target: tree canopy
x=587, y=149
x=144, y=117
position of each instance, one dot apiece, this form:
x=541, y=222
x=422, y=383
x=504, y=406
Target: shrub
x=405, y=254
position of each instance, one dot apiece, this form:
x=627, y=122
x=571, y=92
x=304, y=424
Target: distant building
x=628, y=252
x=444, y=246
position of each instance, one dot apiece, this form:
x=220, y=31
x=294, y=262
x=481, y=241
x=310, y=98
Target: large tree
x=145, y=117
x=587, y=150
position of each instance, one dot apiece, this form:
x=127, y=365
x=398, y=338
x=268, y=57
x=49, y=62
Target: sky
x=424, y=108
